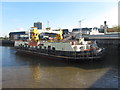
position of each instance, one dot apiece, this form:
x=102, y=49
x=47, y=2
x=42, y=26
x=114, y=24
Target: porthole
x=53, y=48
x=49, y=47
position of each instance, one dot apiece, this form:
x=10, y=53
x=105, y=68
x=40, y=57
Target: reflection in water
x=36, y=72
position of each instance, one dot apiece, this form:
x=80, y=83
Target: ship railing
x=72, y=54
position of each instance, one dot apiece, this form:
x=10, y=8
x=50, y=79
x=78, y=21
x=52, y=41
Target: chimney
x=105, y=27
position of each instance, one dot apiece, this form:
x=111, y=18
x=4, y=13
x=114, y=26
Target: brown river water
x=20, y=71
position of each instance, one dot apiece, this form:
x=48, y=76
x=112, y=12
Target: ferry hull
x=60, y=54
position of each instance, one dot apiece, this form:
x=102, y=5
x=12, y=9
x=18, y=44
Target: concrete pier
x=6, y=43
x=104, y=39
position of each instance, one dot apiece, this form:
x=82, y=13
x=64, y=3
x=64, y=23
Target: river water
x=20, y=71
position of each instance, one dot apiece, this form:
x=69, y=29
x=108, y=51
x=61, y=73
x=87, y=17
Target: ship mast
x=48, y=28
x=80, y=31
x=48, y=24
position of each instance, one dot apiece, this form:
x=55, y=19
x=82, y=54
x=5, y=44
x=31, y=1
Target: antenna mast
x=80, y=31
x=48, y=24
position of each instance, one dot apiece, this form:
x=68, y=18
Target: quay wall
x=6, y=43
x=104, y=39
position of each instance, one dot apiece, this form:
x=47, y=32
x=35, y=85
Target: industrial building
x=22, y=35
x=84, y=31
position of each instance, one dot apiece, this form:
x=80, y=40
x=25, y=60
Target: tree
x=114, y=29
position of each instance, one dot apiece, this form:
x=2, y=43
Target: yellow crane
x=59, y=35
x=34, y=34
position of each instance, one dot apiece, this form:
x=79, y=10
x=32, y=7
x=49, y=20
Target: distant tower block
x=38, y=25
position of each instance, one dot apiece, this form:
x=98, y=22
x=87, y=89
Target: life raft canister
x=72, y=43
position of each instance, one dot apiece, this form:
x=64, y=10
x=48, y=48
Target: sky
x=20, y=16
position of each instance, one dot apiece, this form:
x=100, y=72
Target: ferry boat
x=51, y=43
